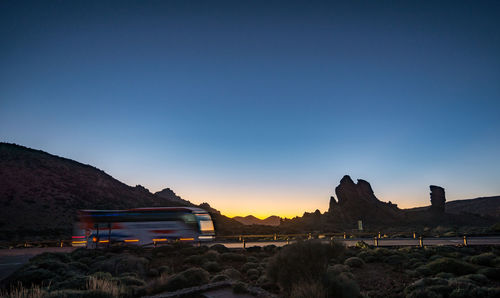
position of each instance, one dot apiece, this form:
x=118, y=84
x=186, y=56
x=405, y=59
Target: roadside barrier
x=244, y=239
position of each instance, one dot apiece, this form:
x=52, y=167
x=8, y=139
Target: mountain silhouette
x=40, y=194
x=272, y=220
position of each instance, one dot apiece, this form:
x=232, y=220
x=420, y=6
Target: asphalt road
x=383, y=242
x=11, y=259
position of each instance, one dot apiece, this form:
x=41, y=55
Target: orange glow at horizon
x=262, y=205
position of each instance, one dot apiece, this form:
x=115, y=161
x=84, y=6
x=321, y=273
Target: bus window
x=205, y=221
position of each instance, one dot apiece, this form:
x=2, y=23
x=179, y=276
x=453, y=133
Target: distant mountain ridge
x=40, y=194
x=272, y=220
x=484, y=206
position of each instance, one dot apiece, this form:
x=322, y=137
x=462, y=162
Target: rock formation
x=332, y=205
x=357, y=201
x=438, y=199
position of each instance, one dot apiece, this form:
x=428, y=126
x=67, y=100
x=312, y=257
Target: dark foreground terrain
x=303, y=269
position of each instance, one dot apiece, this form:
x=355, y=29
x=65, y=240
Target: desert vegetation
x=302, y=269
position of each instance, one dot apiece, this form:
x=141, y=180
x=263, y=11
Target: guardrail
x=242, y=238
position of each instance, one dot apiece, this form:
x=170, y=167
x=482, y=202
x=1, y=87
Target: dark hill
x=40, y=193
x=487, y=206
x=484, y=206
x=252, y=220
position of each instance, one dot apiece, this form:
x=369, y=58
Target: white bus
x=142, y=226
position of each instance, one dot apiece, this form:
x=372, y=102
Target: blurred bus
x=142, y=226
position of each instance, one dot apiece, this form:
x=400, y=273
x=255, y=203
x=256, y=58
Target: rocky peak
x=438, y=199
x=170, y=195
x=348, y=191
x=166, y=193
x=357, y=201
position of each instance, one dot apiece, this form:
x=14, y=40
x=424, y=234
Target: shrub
x=423, y=293
x=338, y=268
x=152, y=272
x=212, y=266
x=130, y=281
x=101, y=275
x=252, y=259
x=118, y=264
x=368, y=256
x=254, y=249
x=195, y=259
x=174, y=282
x=211, y=255
x=107, y=286
x=253, y=272
x=81, y=252
x=485, y=259
x=164, y=269
x=188, y=278
x=491, y=273
x=219, y=277
x=340, y=285
x=426, y=287
x=270, y=248
x=232, y=273
x=29, y=275
x=196, y=276
x=233, y=257
x=362, y=245
x=130, y=263
x=240, y=288
x=192, y=250
x=395, y=260
x=301, y=262
x=478, y=279
x=445, y=275
x=423, y=270
x=249, y=265
x=482, y=292
x=219, y=248
x=354, y=262
x=76, y=283
x=308, y=290
x=19, y=291
x=382, y=252
x=79, y=266
x=79, y=294
x=456, y=267
x=52, y=265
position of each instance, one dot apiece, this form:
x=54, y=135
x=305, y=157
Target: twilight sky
x=260, y=107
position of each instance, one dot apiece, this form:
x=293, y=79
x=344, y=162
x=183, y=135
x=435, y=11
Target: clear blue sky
x=260, y=107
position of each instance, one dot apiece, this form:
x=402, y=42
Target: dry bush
x=105, y=285
x=20, y=291
x=156, y=285
x=301, y=262
x=308, y=290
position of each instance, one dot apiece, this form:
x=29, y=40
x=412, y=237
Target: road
x=11, y=259
x=383, y=242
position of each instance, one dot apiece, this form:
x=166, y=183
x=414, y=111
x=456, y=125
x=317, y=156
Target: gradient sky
x=260, y=107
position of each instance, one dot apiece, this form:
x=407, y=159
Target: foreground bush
x=449, y=265
x=354, y=262
x=340, y=285
x=188, y=278
x=308, y=290
x=301, y=262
